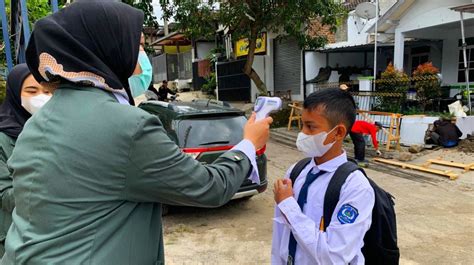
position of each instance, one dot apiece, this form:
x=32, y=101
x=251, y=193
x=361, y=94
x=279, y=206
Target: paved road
x=435, y=220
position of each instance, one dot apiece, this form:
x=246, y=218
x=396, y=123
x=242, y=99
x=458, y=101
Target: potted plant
x=392, y=81
x=211, y=83
x=427, y=83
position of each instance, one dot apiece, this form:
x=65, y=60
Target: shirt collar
x=331, y=165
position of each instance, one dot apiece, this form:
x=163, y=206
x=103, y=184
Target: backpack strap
x=331, y=198
x=296, y=171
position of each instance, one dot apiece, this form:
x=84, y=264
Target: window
x=470, y=64
x=210, y=131
x=420, y=55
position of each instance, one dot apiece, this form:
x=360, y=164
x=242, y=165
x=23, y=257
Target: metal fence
x=398, y=95
x=367, y=100
x=233, y=83
x=172, y=66
x=185, y=65
x=159, y=68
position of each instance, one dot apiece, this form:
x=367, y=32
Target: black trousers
x=359, y=145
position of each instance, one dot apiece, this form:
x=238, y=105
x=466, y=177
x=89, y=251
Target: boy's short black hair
x=338, y=106
x=378, y=124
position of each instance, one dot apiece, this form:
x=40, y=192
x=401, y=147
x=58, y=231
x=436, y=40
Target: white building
x=410, y=32
x=431, y=20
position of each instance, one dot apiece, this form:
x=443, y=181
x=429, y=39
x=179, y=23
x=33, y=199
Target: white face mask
x=33, y=104
x=313, y=145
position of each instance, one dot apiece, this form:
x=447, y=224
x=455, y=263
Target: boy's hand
x=282, y=190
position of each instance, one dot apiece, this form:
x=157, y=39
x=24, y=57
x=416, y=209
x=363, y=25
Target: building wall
x=259, y=67
x=263, y=65
x=385, y=5
x=450, y=55
x=429, y=13
x=316, y=28
x=204, y=49
x=433, y=19
x=354, y=36
x=269, y=80
x=313, y=62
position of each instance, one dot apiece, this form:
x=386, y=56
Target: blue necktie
x=302, y=197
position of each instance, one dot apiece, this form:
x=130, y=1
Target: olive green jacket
x=6, y=192
x=89, y=177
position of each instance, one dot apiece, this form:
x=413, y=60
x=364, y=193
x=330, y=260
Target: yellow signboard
x=242, y=46
x=174, y=49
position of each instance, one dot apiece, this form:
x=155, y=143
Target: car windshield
x=210, y=131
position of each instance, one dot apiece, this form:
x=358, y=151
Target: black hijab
x=12, y=115
x=91, y=43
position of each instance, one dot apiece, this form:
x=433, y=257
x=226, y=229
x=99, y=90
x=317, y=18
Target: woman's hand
x=257, y=132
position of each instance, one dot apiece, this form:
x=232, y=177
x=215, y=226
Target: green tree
x=249, y=18
x=37, y=9
x=394, y=84
x=147, y=8
x=427, y=83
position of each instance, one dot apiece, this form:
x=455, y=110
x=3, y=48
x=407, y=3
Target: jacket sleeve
x=160, y=172
x=344, y=236
x=373, y=135
x=279, y=257
x=6, y=187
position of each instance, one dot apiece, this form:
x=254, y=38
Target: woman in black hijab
x=20, y=85
x=90, y=174
x=12, y=115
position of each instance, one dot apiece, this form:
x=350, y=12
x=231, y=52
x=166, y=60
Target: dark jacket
x=448, y=132
x=163, y=93
x=6, y=192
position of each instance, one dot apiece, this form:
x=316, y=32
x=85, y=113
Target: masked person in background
x=91, y=171
x=24, y=96
x=143, y=73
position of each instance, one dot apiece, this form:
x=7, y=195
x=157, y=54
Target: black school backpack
x=380, y=241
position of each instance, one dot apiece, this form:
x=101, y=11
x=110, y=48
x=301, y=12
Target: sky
x=158, y=12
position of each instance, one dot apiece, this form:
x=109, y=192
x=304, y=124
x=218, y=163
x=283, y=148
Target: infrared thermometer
x=266, y=105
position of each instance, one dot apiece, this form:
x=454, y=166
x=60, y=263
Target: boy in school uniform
x=298, y=227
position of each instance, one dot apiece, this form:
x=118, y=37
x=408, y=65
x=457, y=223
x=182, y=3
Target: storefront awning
x=173, y=39
x=351, y=47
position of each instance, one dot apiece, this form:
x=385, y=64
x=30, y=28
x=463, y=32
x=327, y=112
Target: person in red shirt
x=359, y=129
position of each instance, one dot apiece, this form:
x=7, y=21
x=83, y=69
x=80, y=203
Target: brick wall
x=316, y=28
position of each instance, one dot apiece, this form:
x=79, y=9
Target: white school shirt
x=344, y=238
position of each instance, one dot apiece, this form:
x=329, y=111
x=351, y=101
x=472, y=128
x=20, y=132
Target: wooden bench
x=295, y=114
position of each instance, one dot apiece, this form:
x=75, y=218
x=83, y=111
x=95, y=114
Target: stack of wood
x=426, y=167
